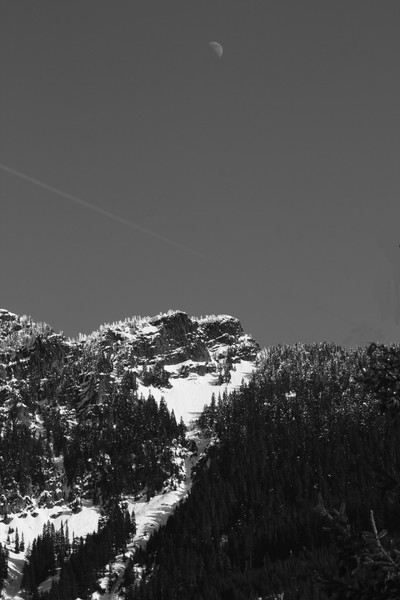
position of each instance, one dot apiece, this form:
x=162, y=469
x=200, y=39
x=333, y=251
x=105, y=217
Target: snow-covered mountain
x=99, y=446
x=83, y=420
x=183, y=359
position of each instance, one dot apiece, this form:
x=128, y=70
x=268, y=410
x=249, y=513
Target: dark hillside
x=306, y=436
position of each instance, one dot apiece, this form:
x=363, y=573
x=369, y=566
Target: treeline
x=24, y=458
x=86, y=394
x=117, y=447
x=48, y=552
x=3, y=565
x=110, y=435
x=78, y=564
x=124, y=446
x=304, y=437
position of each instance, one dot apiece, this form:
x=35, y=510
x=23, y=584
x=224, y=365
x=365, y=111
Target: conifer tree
x=3, y=565
x=16, y=543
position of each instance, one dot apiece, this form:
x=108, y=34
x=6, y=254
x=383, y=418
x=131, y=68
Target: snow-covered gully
x=150, y=515
x=153, y=514
x=30, y=524
x=175, y=361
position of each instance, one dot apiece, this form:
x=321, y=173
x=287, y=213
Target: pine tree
x=133, y=527
x=3, y=565
x=67, y=540
x=16, y=544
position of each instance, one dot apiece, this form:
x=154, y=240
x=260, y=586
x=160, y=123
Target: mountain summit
x=50, y=385
x=85, y=421
x=134, y=465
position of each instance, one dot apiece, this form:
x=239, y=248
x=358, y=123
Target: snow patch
x=149, y=329
x=187, y=397
x=30, y=525
x=151, y=515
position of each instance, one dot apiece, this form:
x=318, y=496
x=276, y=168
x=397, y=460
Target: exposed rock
x=50, y=384
x=223, y=329
x=6, y=315
x=175, y=338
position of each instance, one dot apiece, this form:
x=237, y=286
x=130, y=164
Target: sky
x=140, y=172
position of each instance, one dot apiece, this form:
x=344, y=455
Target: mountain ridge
x=84, y=421
x=243, y=480
x=154, y=351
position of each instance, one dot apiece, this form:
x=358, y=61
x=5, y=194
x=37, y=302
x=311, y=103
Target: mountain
x=170, y=458
x=86, y=421
x=298, y=496
x=170, y=355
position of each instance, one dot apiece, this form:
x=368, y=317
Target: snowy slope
x=30, y=525
x=150, y=516
x=183, y=359
x=187, y=397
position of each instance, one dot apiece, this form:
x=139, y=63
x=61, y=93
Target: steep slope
x=305, y=434
x=85, y=421
x=179, y=358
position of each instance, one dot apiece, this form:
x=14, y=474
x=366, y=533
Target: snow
x=154, y=513
x=187, y=396
x=151, y=515
x=149, y=329
x=79, y=524
x=5, y=312
x=213, y=318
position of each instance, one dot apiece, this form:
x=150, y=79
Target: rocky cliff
x=53, y=389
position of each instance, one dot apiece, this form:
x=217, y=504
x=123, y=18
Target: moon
x=218, y=49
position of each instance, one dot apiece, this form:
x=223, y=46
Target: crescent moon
x=218, y=49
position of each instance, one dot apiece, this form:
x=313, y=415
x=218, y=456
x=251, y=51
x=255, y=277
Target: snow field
x=30, y=526
x=150, y=516
x=187, y=396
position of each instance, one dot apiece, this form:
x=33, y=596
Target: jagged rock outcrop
x=174, y=337
x=222, y=329
x=51, y=388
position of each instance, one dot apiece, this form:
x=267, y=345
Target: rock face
x=224, y=330
x=6, y=315
x=50, y=383
x=33, y=350
x=174, y=337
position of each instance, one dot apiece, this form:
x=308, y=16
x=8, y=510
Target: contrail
x=161, y=238
x=110, y=215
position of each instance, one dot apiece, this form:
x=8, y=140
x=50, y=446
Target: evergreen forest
x=298, y=494
x=296, y=497
x=78, y=564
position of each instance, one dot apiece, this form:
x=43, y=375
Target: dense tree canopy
x=303, y=439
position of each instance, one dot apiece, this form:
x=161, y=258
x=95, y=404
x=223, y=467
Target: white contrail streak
x=110, y=215
x=161, y=238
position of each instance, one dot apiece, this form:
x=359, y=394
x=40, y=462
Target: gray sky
x=148, y=174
